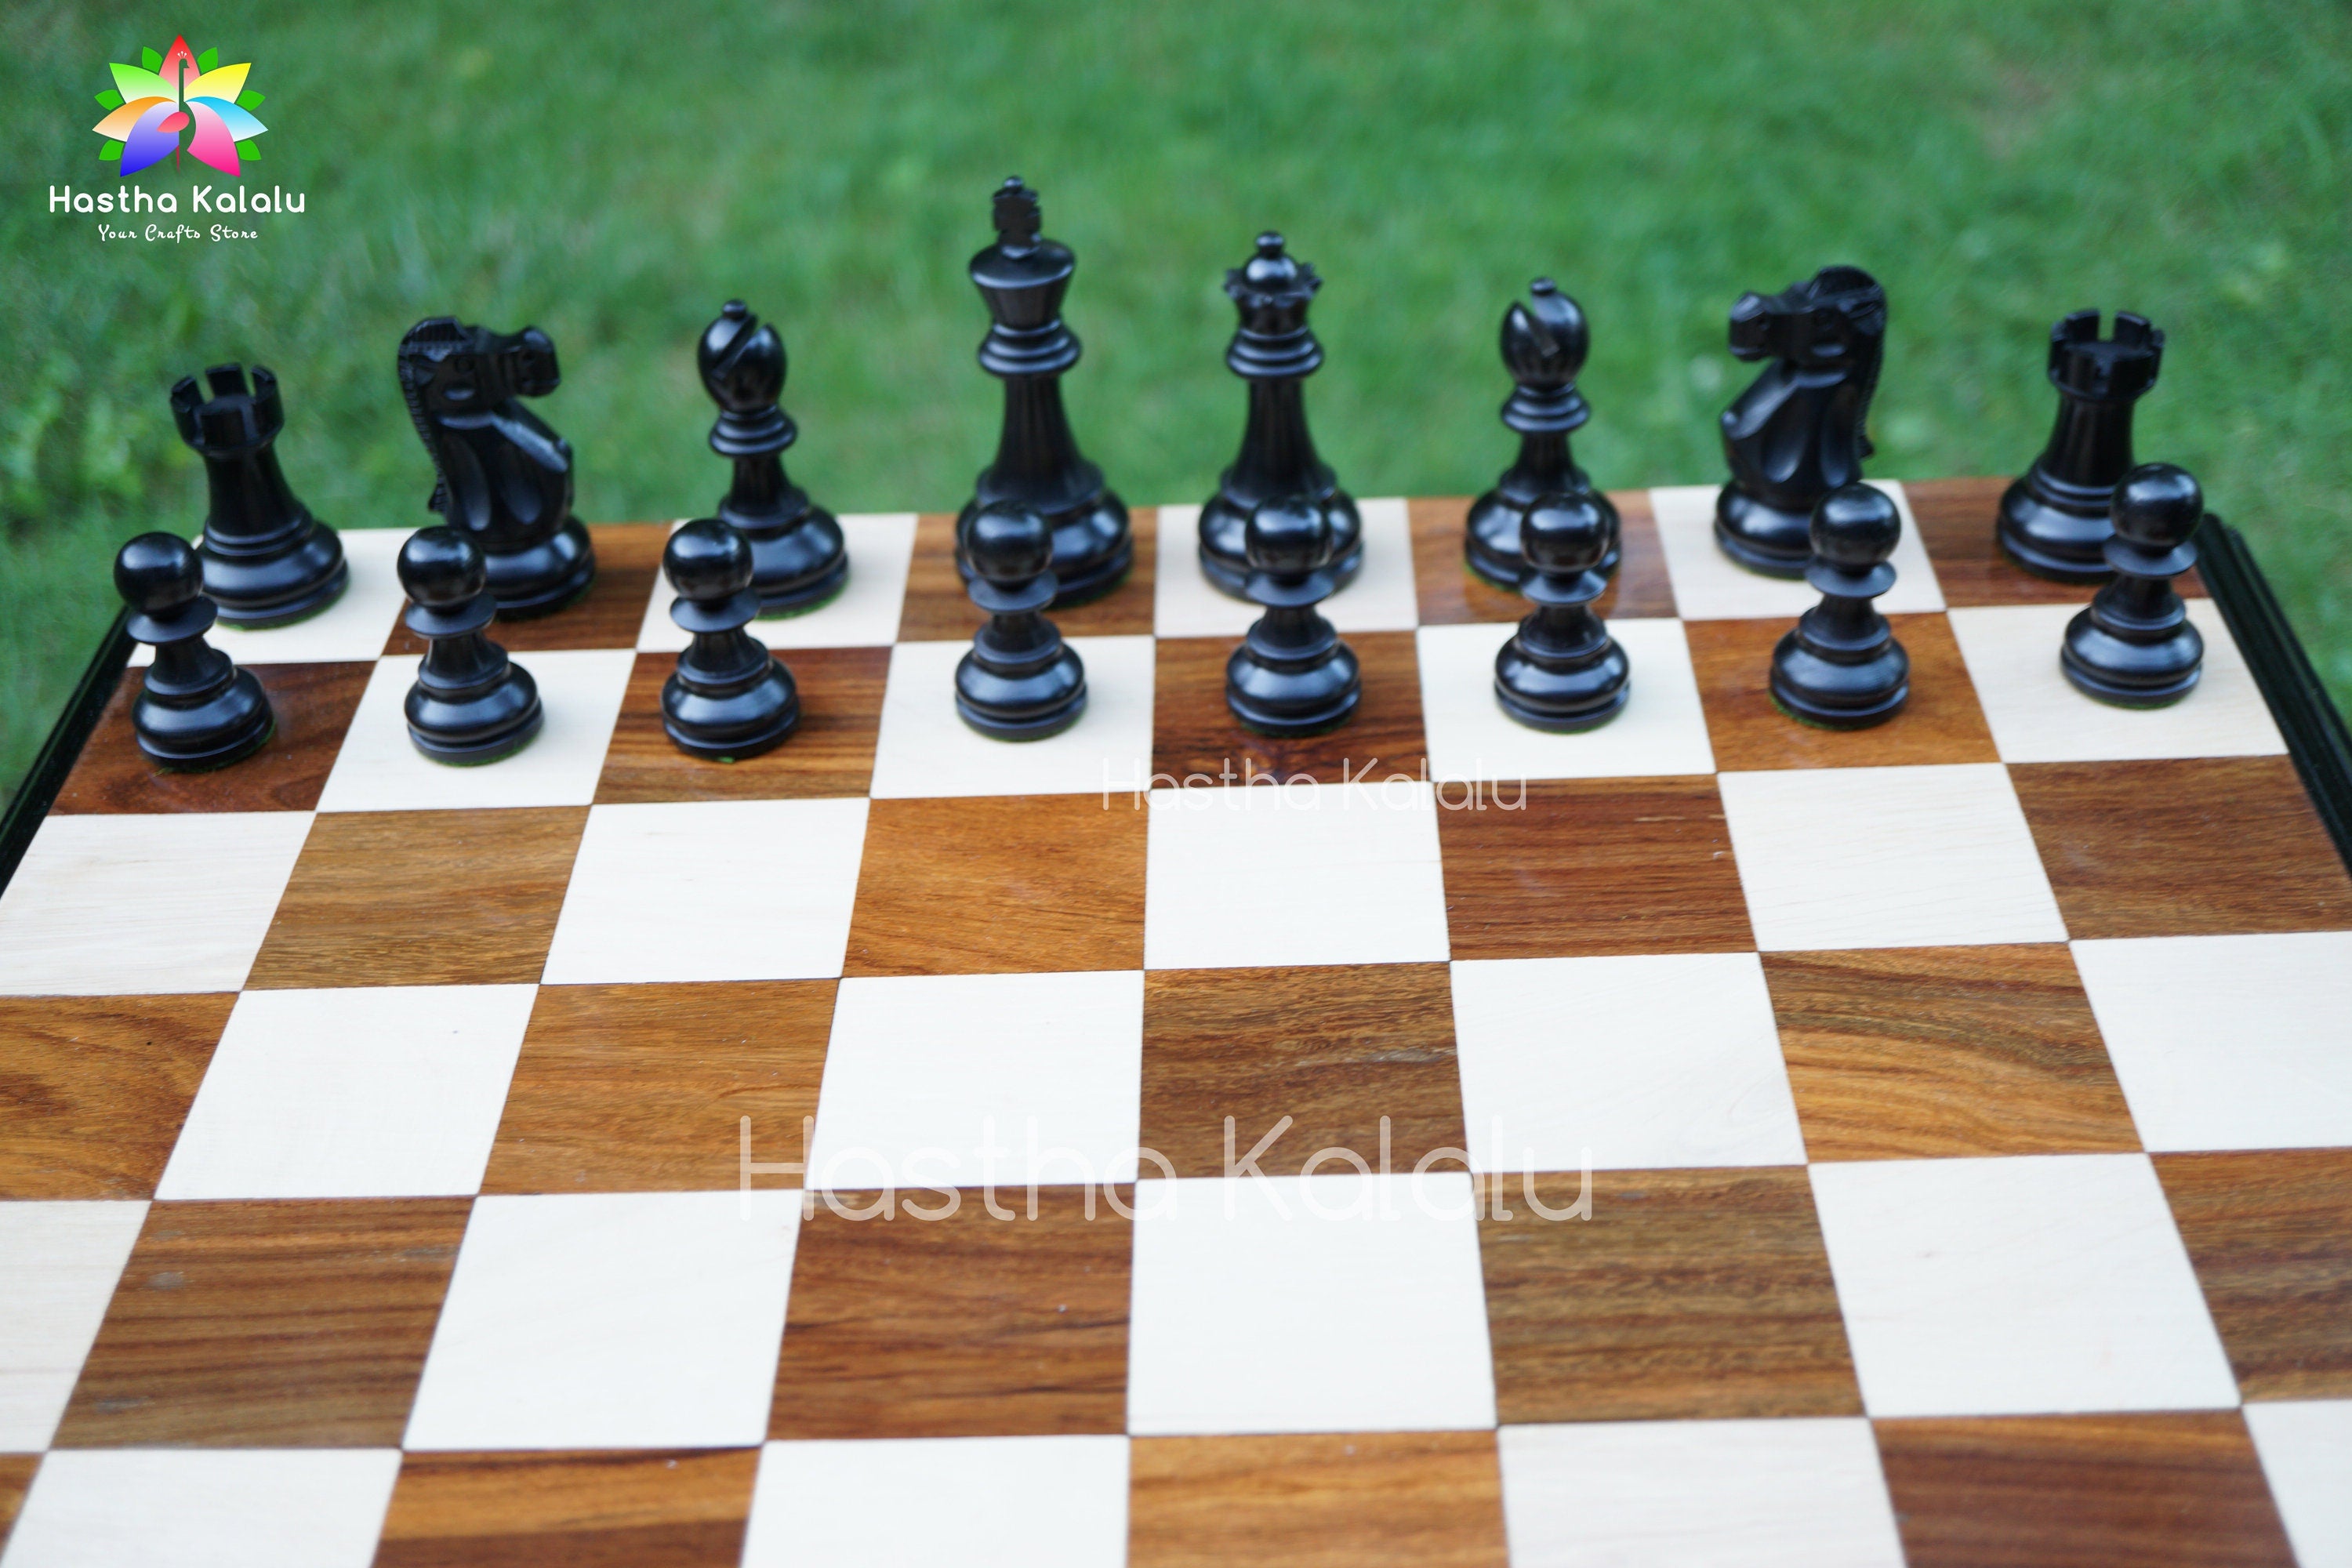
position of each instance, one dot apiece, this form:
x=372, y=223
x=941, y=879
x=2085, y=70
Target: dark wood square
x=2057, y=1491
x=2192, y=847
x=1337, y=1049
x=610, y=615
x=1592, y=866
x=269, y=1325
x=93, y=1089
x=1194, y=735
x=1934, y=1052
x=936, y=608
x=314, y=704
x=1451, y=594
x=962, y=1325
x=2270, y=1232
x=1955, y=524
x=642, y=1088
x=15, y=1480
x=684, y=1508
x=1941, y=722
x=1687, y=1295
x=999, y=884
x=1322, y=1500
x=422, y=897
x=830, y=753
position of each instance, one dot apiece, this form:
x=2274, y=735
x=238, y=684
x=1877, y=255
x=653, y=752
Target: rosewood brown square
x=1941, y=722
x=2189, y=847
x=15, y=1480
x=999, y=884
x=1592, y=866
x=93, y=1089
x=1936, y=1052
x=2270, y=1232
x=609, y=614
x=1687, y=1295
x=830, y=753
x=269, y=1325
x=936, y=608
x=964, y=1324
x=1451, y=594
x=646, y=1509
x=1194, y=735
x=422, y=897
x=314, y=704
x=1955, y=524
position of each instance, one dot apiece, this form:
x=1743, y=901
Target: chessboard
x=1702, y=1140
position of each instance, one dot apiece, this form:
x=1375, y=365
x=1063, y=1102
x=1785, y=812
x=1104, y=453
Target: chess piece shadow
x=2054, y=521
x=729, y=698
x=798, y=561
x=266, y=561
x=1545, y=341
x=470, y=704
x=1562, y=670
x=1842, y=668
x=2134, y=645
x=195, y=710
x=1292, y=676
x=1021, y=681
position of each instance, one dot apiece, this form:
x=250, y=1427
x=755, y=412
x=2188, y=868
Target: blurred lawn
x=613, y=171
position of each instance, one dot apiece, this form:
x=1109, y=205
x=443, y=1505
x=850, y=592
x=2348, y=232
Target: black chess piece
x=470, y=703
x=1274, y=352
x=730, y=698
x=1291, y=674
x=2135, y=645
x=2053, y=520
x=1562, y=670
x=500, y=476
x=267, y=560
x=798, y=559
x=195, y=710
x=1022, y=279
x=1842, y=667
x=1544, y=343
x=1798, y=432
x=1020, y=682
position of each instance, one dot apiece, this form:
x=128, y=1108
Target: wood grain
x=1941, y=722
x=967, y=1325
x=93, y=1089
x=830, y=752
x=936, y=608
x=1451, y=594
x=1687, y=1295
x=683, y=1508
x=610, y=615
x=1594, y=866
x=999, y=884
x=627, y=1088
x=2271, y=1233
x=1193, y=732
x=259, y=1325
x=1932, y=1052
x=314, y=704
x=1327, y=1501
x=2054, y=1491
x=1335, y=1048
x=422, y=897
x=2191, y=846
x=15, y=1480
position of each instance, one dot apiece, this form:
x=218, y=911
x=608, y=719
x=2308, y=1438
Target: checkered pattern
x=1963, y=1107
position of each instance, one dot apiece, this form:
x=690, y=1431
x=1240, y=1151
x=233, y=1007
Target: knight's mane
x=423, y=346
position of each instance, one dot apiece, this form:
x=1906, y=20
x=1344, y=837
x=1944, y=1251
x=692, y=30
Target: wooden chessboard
x=390, y=1150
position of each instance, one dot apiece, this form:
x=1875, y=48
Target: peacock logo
x=153, y=102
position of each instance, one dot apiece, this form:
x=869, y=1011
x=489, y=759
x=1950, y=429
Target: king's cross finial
x=1017, y=215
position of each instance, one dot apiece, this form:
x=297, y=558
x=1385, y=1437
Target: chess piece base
x=2065, y=543
x=1761, y=537
x=2131, y=674
x=540, y=579
x=1562, y=694
x=467, y=729
x=1836, y=695
x=1225, y=536
x=1025, y=706
x=1093, y=547
x=1490, y=540
x=1287, y=699
x=226, y=728
x=731, y=720
x=798, y=566
x=275, y=590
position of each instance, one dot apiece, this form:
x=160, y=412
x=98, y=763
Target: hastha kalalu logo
x=152, y=105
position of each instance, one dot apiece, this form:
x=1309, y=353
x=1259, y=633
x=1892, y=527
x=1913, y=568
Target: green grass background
x=613, y=173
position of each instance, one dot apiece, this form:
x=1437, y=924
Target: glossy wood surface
x=682, y=1509
x=314, y=704
x=1451, y=594
x=830, y=753
x=937, y=608
x=610, y=615
x=93, y=1089
x=1940, y=722
x=2268, y=1232
x=1195, y=736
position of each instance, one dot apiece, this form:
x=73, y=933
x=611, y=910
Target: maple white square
x=379, y=768
x=386, y=1093
x=956, y=1081
x=2046, y=1284
x=1661, y=1061
x=865, y=614
x=1661, y=729
x=111, y=905
x=353, y=629
x=1292, y=874
x=739, y=889
x=1921, y=857
x=1711, y=587
x=2229, y=1042
x=1382, y=598
x=925, y=748
x=205, y=1507
x=2037, y=715
x=2307, y=1452
x=611, y=1321
x=1328, y=1302
x=60, y=1262
x=986, y=1502
x=1804, y=1493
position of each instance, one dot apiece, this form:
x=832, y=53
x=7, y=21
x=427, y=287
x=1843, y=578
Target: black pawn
x=197, y=710
x=266, y=561
x=1020, y=682
x=730, y=698
x=798, y=560
x=470, y=702
x=1274, y=352
x=1562, y=670
x=2134, y=645
x=2053, y=520
x=1545, y=341
x=1291, y=674
x=1842, y=667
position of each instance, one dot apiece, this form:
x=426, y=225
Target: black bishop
x=798, y=561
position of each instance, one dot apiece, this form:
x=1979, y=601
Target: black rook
x=266, y=561
x=2054, y=520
